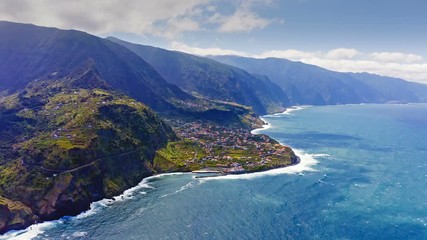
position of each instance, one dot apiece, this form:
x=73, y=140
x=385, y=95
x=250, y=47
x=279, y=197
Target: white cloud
x=396, y=57
x=342, y=53
x=244, y=18
x=178, y=46
x=104, y=16
x=342, y=60
x=176, y=26
x=98, y=16
x=288, y=54
x=171, y=18
x=293, y=54
x=165, y=18
x=411, y=72
x=242, y=21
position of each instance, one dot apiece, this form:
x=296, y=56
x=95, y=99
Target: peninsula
x=228, y=150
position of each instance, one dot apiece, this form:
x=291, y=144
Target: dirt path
x=61, y=171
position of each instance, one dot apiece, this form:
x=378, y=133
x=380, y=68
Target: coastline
x=38, y=228
x=304, y=163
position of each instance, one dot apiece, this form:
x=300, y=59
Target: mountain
x=394, y=87
x=73, y=129
x=76, y=124
x=312, y=85
x=64, y=147
x=29, y=53
x=212, y=80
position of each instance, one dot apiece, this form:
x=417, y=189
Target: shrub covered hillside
x=63, y=147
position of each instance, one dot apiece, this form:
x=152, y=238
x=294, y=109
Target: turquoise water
x=370, y=182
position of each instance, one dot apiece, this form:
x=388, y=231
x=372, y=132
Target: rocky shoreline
x=234, y=159
x=208, y=173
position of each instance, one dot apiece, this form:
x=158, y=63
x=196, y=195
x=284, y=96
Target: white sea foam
x=307, y=161
x=37, y=229
x=321, y=155
x=189, y=185
x=128, y=194
x=165, y=174
x=264, y=127
x=290, y=110
x=79, y=234
x=30, y=232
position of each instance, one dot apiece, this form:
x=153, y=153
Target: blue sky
x=313, y=25
x=387, y=37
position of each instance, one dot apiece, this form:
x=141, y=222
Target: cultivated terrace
x=226, y=149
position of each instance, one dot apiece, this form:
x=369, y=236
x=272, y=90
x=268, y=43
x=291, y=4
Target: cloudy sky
x=387, y=37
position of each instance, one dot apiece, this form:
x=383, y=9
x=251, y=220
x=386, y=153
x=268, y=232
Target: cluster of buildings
x=233, y=149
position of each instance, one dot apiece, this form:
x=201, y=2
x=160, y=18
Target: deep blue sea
x=363, y=175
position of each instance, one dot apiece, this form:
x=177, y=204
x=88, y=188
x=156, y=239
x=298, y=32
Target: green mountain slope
x=64, y=147
x=28, y=53
x=73, y=129
x=212, y=80
x=69, y=132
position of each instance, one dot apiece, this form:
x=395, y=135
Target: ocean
x=363, y=175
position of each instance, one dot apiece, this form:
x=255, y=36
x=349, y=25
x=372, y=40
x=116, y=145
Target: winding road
x=62, y=171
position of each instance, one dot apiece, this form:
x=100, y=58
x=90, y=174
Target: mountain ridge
x=313, y=85
x=211, y=79
x=51, y=52
x=76, y=124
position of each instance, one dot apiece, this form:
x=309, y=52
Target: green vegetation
x=63, y=147
x=73, y=129
x=14, y=214
x=230, y=150
x=176, y=155
x=212, y=80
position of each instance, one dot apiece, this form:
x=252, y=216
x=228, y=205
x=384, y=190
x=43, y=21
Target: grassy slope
x=71, y=146
x=68, y=139
x=66, y=144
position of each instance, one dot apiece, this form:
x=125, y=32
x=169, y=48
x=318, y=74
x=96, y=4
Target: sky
x=386, y=37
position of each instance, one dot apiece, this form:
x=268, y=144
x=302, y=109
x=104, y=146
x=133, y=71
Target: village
x=234, y=150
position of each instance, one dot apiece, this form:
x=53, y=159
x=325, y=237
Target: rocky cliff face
x=14, y=215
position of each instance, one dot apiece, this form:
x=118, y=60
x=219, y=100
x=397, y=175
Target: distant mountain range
x=309, y=84
x=269, y=84
x=212, y=80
